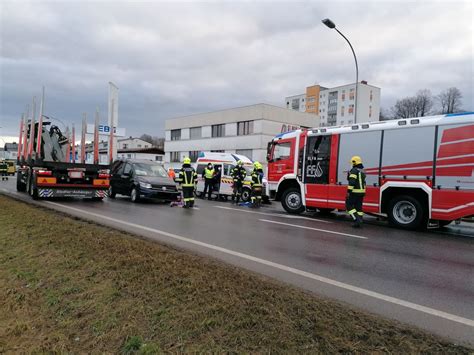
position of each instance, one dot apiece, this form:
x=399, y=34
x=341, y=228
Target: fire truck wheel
x=406, y=212
x=291, y=201
x=135, y=195
x=111, y=192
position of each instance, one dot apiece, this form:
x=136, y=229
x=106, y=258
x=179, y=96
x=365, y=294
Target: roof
x=449, y=119
x=244, y=113
x=152, y=150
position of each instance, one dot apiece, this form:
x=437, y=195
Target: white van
x=226, y=162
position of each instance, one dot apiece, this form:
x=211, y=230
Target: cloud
x=175, y=58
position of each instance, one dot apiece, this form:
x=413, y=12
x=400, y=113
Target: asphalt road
x=422, y=278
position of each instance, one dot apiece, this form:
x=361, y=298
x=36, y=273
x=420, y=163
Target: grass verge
x=69, y=285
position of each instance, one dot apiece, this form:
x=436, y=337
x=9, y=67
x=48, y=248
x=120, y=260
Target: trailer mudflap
x=71, y=192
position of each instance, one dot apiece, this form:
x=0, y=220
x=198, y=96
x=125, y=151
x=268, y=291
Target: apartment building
x=336, y=106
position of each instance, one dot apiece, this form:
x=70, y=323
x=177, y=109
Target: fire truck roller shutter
x=455, y=157
x=367, y=146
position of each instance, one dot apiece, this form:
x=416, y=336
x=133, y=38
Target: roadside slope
x=69, y=285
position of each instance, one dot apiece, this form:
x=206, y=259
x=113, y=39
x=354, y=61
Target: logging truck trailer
x=46, y=167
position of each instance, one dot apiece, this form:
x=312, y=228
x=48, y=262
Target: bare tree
x=147, y=138
x=423, y=102
x=404, y=108
x=384, y=115
x=450, y=100
x=155, y=141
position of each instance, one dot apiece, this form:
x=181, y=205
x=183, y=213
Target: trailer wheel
x=111, y=192
x=406, y=212
x=20, y=185
x=135, y=195
x=33, y=190
x=291, y=201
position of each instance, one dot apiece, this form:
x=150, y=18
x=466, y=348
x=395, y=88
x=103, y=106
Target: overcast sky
x=172, y=59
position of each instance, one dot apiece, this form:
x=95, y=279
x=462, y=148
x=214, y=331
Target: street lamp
x=332, y=25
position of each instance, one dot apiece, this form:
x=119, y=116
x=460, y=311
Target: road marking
x=355, y=289
x=273, y=214
x=314, y=229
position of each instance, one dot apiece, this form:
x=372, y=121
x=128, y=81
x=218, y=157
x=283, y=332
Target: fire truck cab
x=420, y=171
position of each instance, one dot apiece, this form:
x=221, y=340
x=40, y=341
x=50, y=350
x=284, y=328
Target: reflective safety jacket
x=208, y=173
x=187, y=176
x=3, y=167
x=257, y=178
x=356, y=178
x=238, y=173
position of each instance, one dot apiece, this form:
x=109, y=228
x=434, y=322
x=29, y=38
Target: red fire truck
x=420, y=171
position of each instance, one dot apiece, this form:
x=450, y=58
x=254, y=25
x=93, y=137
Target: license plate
x=76, y=174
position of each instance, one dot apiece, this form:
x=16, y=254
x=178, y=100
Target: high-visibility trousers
x=354, y=205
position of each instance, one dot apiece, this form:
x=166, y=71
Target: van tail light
x=104, y=176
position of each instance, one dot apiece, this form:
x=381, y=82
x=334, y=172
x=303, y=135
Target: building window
x=244, y=152
x=295, y=104
x=139, y=145
x=174, y=157
x=351, y=94
x=370, y=111
x=218, y=130
x=349, y=122
x=342, y=122
x=342, y=111
x=370, y=95
x=351, y=109
x=129, y=156
x=158, y=158
x=244, y=128
x=125, y=146
x=195, y=132
x=193, y=155
x=175, y=134
x=343, y=96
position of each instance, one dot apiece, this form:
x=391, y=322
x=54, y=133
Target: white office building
x=243, y=130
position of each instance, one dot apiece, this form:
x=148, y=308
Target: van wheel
x=135, y=195
x=292, y=201
x=406, y=212
x=245, y=195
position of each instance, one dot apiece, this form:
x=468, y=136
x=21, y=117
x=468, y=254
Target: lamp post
x=332, y=25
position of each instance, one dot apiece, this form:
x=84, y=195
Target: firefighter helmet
x=356, y=160
x=186, y=160
x=240, y=163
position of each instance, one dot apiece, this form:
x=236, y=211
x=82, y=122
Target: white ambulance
x=225, y=162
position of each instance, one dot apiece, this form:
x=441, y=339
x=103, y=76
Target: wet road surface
x=422, y=278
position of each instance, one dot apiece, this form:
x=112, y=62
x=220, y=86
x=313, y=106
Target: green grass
x=67, y=285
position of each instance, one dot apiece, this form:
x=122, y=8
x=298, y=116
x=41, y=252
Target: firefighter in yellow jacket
x=257, y=185
x=188, y=179
x=356, y=191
